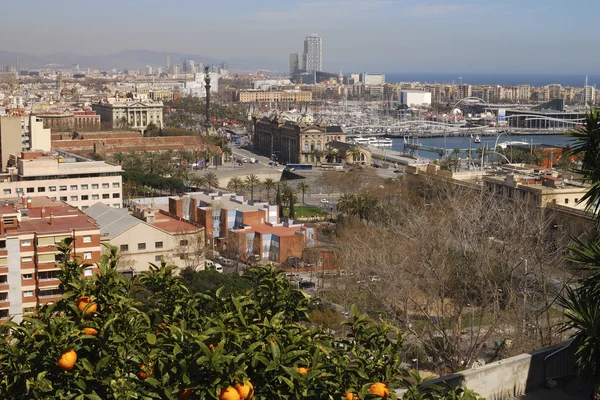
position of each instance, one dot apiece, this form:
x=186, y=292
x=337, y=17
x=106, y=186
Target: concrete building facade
x=11, y=140
x=313, y=49
x=29, y=233
x=134, y=113
x=75, y=180
x=243, y=230
x=294, y=142
x=261, y=96
x=148, y=235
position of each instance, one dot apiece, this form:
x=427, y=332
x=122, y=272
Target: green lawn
x=305, y=211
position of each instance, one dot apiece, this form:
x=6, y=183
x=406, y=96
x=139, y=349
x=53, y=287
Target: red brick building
x=30, y=229
x=241, y=229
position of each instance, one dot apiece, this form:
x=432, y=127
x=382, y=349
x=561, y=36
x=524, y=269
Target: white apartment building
x=73, y=179
x=414, y=98
x=372, y=79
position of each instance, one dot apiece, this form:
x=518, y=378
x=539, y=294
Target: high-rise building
x=168, y=62
x=314, y=53
x=297, y=63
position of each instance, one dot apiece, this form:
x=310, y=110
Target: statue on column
x=207, y=122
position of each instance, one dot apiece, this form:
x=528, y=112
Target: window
x=87, y=272
x=183, y=242
x=158, y=258
x=63, y=198
x=28, y=293
x=566, y=201
x=141, y=246
x=41, y=189
x=84, y=197
x=106, y=196
x=74, y=198
x=6, y=191
x=124, y=247
x=26, y=259
x=85, y=207
x=73, y=187
x=116, y=184
x=182, y=256
x=3, y=279
x=30, y=190
x=95, y=186
x=63, y=188
x=158, y=245
x=87, y=239
x=105, y=186
x=116, y=206
x=84, y=187
x=19, y=190
x=95, y=197
x=26, y=242
x=576, y=200
x=116, y=195
x=27, y=276
x=52, y=188
x=87, y=255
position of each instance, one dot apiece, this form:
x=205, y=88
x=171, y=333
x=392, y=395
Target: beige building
x=11, y=140
x=40, y=137
x=294, y=142
x=126, y=112
x=75, y=180
x=149, y=235
x=254, y=96
x=536, y=188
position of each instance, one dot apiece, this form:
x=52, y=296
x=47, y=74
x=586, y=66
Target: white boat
x=477, y=139
x=371, y=141
x=511, y=143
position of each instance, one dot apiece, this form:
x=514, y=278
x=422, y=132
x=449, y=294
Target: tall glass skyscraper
x=314, y=53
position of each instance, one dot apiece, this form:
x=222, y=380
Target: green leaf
x=151, y=338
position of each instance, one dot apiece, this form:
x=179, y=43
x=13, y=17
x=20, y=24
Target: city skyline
x=374, y=35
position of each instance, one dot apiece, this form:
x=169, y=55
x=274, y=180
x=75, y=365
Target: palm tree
x=251, y=181
x=342, y=155
x=317, y=154
x=269, y=185
x=345, y=204
x=289, y=197
x=119, y=157
x=583, y=308
x=235, y=184
x=303, y=187
x=355, y=152
x=211, y=180
x=198, y=181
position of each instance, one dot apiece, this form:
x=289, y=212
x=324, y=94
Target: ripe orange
x=84, y=301
x=229, y=393
x=90, y=331
x=351, y=396
x=67, y=360
x=186, y=394
x=302, y=370
x=246, y=390
x=146, y=370
x=380, y=389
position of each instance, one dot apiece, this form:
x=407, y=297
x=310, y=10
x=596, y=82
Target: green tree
x=304, y=188
x=235, y=184
x=119, y=157
x=211, y=180
x=269, y=185
x=251, y=181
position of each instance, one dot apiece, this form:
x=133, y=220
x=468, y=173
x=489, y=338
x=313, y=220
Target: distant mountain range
x=135, y=59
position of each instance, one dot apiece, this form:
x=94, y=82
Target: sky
x=502, y=36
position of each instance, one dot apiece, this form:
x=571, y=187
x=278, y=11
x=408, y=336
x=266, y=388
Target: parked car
x=324, y=201
x=306, y=285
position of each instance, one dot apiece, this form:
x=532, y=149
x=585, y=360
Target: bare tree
x=460, y=270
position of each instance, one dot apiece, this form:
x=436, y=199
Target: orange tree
x=99, y=342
